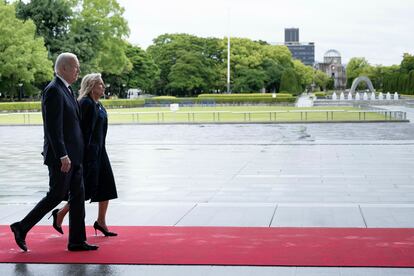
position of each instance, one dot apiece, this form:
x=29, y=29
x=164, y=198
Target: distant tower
x=291, y=35
x=305, y=52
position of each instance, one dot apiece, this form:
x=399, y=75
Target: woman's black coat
x=98, y=176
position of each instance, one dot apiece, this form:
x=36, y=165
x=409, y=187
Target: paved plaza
x=276, y=175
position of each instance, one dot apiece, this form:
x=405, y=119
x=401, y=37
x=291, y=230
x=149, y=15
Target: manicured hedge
x=121, y=103
x=164, y=100
x=168, y=100
x=249, y=100
x=35, y=106
x=320, y=94
x=164, y=97
x=241, y=95
x=222, y=99
x=20, y=106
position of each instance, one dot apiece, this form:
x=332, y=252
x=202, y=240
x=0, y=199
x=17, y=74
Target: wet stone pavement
x=323, y=175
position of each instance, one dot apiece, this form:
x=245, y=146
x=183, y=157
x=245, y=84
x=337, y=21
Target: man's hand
x=65, y=164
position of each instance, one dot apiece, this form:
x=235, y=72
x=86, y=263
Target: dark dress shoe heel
x=96, y=226
x=54, y=215
x=82, y=247
x=19, y=236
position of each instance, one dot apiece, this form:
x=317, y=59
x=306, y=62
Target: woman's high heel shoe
x=54, y=215
x=96, y=226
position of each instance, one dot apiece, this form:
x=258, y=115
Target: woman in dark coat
x=98, y=177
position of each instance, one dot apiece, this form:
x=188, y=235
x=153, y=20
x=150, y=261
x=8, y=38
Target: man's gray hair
x=63, y=59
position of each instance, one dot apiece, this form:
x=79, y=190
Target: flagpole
x=228, y=53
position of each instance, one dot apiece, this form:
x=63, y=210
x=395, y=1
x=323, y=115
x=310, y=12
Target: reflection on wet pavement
x=199, y=163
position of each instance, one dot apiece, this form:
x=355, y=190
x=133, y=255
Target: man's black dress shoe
x=82, y=247
x=19, y=236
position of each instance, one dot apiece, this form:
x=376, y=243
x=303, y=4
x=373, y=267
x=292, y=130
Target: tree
x=144, y=71
x=407, y=64
x=170, y=49
x=273, y=70
x=410, y=88
x=97, y=35
x=290, y=82
x=52, y=19
x=354, y=68
x=321, y=79
x=189, y=76
x=304, y=73
x=23, y=58
x=375, y=74
x=142, y=75
x=251, y=56
x=390, y=77
x=94, y=30
x=275, y=60
x=250, y=80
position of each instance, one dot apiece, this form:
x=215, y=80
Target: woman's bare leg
x=61, y=214
x=103, y=207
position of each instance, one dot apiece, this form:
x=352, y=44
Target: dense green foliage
x=33, y=33
x=289, y=81
x=52, y=20
x=395, y=78
x=23, y=57
x=355, y=68
x=187, y=64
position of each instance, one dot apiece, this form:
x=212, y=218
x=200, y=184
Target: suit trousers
x=60, y=184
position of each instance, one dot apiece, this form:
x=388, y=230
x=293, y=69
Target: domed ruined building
x=332, y=66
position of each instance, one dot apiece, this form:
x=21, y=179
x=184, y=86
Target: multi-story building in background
x=303, y=51
x=291, y=35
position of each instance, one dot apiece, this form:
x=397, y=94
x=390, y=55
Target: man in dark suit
x=63, y=154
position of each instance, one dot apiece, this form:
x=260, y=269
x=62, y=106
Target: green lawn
x=216, y=114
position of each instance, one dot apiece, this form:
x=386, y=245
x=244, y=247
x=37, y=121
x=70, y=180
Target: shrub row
x=251, y=100
x=35, y=106
x=220, y=100
x=320, y=94
x=20, y=106
x=241, y=95
x=124, y=103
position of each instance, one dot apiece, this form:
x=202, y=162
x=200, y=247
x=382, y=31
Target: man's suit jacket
x=61, y=123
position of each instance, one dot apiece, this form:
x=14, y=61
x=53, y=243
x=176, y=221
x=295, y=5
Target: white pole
x=228, y=54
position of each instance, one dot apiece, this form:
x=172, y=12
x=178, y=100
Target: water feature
x=395, y=96
x=388, y=96
x=304, y=101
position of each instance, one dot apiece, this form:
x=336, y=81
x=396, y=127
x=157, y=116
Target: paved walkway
x=241, y=175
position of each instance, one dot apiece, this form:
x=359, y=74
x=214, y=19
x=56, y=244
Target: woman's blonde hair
x=87, y=84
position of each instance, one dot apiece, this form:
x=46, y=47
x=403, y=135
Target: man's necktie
x=74, y=99
x=71, y=91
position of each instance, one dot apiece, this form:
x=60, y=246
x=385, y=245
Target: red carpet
x=372, y=247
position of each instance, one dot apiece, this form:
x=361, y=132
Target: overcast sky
x=380, y=30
